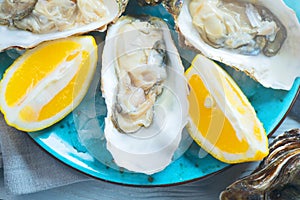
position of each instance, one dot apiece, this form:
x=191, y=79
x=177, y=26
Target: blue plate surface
x=78, y=139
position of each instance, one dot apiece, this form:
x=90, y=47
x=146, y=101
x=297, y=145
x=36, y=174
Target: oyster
x=277, y=176
x=27, y=23
x=260, y=37
x=15, y=10
x=145, y=92
x=242, y=27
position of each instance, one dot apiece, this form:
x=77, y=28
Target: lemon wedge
x=46, y=83
x=222, y=120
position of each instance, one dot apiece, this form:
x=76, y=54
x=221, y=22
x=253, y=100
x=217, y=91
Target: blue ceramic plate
x=78, y=139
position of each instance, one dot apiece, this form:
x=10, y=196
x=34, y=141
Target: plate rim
x=297, y=94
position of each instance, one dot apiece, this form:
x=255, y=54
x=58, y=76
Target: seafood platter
x=150, y=92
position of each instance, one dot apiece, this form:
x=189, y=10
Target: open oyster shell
x=278, y=70
x=28, y=20
x=145, y=93
x=277, y=176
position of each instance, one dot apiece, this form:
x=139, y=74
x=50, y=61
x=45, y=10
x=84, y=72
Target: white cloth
x=28, y=168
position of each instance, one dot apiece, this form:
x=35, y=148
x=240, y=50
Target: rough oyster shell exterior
x=276, y=176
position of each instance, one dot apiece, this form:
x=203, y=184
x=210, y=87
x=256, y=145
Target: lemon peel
x=222, y=120
x=47, y=82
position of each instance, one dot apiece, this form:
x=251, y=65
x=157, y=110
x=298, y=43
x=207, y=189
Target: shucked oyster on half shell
x=277, y=176
x=259, y=37
x=27, y=23
x=145, y=93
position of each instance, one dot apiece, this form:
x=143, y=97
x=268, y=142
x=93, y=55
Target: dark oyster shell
x=172, y=6
x=277, y=176
x=149, y=2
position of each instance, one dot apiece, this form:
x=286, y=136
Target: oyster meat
x=145, y=92
x=238, y=26
x=141, y=74
x=15, y=10
x=277, y=176
x=58, y=15
x=260, y=37
x=27, y=23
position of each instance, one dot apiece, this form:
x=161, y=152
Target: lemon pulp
x=222, y=120
x=48, y=82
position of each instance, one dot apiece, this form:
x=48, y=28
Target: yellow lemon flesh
x=46, y=83
x=222, y=120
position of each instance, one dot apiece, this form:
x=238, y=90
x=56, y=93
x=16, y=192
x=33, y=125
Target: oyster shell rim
x=30, y=40
x=245, y=64
x=107, y=65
